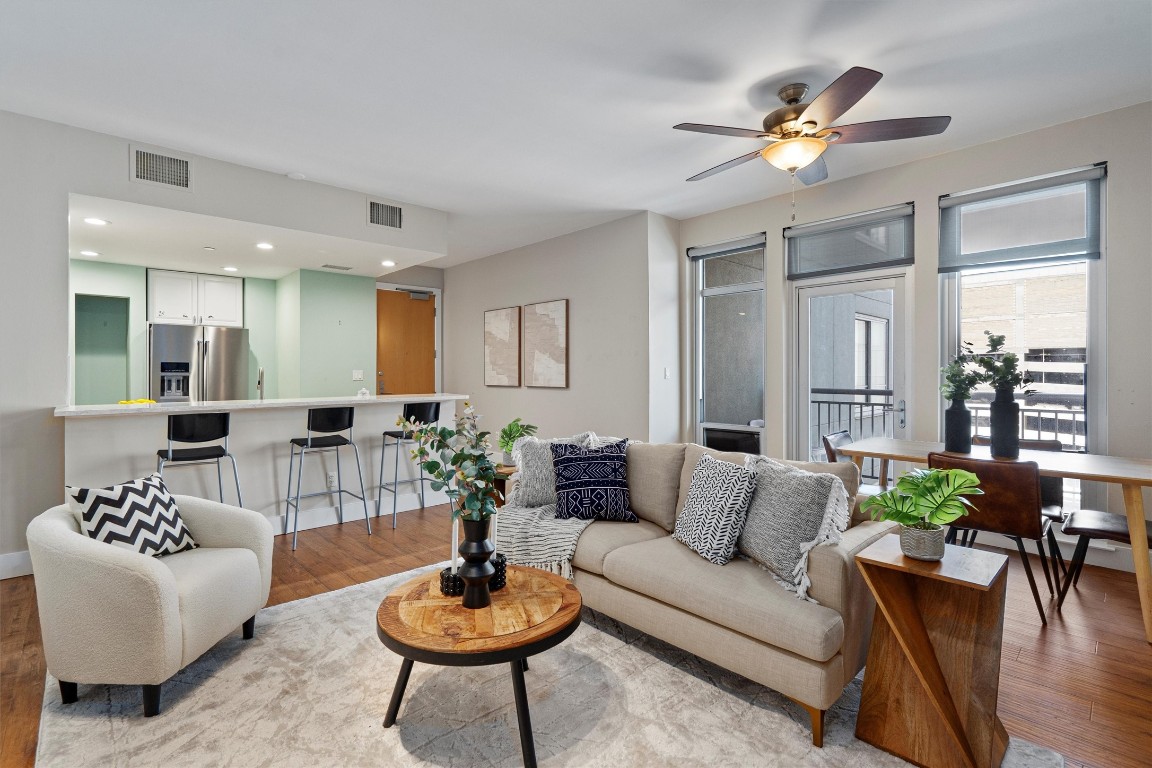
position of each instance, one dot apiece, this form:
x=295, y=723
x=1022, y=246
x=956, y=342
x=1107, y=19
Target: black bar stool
x=324, y=421
x=199, y=428
x=421, y=413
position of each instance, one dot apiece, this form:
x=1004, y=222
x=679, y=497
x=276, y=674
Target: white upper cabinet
x=185, y=298
x=221, y=300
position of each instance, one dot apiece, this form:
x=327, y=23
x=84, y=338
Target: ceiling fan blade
x=839, y=97
x=816, y=171
x=725, y=166
x=722, y=130
x=887, y=130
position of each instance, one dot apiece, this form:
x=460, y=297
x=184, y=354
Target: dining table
x=1131, y=474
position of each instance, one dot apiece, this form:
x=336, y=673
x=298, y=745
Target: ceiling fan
x=799, y=132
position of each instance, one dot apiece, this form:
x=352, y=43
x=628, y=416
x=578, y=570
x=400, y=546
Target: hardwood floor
x=1082, y=685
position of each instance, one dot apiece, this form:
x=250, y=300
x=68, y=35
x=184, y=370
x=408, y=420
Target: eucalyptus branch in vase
x=457, y=461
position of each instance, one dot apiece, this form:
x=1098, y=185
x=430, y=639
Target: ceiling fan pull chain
x=793, y=174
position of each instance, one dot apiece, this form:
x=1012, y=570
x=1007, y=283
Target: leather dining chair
x=832, y=445
x=1010, y=507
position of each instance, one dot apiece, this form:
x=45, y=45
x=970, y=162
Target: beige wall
x=419, y=276
x=40, y=164
x=1121, y=138
x=604, y=274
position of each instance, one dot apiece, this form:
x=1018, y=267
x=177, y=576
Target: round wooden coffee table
x=534, y=612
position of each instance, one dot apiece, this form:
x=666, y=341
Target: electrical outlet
x=357, y=375
x=331, y=480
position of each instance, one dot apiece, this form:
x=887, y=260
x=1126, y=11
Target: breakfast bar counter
x=109, y=444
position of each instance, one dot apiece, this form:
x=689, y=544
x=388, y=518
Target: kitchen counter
x=143, y=409
x=109, y=444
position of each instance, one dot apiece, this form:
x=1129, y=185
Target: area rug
x=312, y=689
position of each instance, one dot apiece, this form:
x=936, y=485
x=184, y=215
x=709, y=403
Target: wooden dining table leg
x=1138, y=532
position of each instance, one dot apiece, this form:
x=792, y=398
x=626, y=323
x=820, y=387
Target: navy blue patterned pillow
x=592, y=483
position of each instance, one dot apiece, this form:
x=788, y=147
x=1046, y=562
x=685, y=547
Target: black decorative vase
x=958, y=428
x=1004, y=414
x=500, y=577
x=477, y=569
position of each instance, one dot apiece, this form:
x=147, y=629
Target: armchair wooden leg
x=817, y=716
x=249, y=628
x=151, y=700
x=68, y=692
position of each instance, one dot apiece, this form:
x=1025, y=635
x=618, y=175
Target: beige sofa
x=734, y=615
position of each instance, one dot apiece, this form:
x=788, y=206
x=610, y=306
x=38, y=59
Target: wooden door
x=405, y=342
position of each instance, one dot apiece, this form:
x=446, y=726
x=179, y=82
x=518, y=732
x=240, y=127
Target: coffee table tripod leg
x=398, y=693
x=524, y=663
x=527, y=746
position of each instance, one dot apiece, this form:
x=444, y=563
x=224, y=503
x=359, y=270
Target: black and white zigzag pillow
x=139, y=515
x=714, y=511
x=592, y=483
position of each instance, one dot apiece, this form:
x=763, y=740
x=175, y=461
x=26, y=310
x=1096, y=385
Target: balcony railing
x=1069, y=425
x=863, y=412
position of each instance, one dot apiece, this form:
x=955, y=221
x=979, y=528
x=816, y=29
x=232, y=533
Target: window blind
x=854, y=243
x=728, y=247
x=1050, y=219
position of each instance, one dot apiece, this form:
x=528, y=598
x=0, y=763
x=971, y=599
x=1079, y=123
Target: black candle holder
x=451, y=585
x=500, y=578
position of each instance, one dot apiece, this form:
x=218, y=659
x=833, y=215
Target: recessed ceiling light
x=229, y=269
x=209, y=248
x=94, y=220
x=388, y=263
x=264, y=246
x=89, y=253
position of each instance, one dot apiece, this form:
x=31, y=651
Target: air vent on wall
x=336, y=267
x=155, y=168
x=384, y=215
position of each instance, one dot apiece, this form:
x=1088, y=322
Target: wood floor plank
x=1079, y=685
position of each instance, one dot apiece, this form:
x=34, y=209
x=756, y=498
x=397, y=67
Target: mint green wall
x=97, y=278
x=337, y=333
x=260, y=319
x=101, y=349
x=288, y=335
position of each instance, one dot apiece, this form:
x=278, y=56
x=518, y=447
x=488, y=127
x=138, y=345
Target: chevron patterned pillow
x=139, y=515
x=714, y=511
x=592, y=483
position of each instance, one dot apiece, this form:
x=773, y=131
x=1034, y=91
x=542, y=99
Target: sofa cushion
x=219, y=588
x=592, y=482
x=603, y=536
x=139, y=515
x=535, y=476
x=791, y=512
x=714, y=513
x=654, y=481
x=741, y=596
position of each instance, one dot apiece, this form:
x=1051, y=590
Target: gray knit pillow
x=535, y=476
x=791, y=513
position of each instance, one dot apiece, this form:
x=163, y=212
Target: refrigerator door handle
x=204, y=373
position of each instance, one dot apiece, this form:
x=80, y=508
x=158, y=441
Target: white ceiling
x=162, y=238
x=527, y=120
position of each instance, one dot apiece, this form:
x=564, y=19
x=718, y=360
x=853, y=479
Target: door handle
x=899, y=409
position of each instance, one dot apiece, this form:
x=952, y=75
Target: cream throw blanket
x=532, y=536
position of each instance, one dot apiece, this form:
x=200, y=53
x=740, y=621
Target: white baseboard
x=1105, y=554
x=15, y=564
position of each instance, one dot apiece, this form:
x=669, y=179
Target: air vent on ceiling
x=337, y=267
x=156, y=168
x=384, y=215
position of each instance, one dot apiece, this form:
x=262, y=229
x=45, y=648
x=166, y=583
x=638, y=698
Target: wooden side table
x=504, y=474
x=932, y=678
x=534, y=612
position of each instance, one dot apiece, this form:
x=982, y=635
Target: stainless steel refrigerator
x=195, y=363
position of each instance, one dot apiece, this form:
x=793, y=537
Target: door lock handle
x=901, y=413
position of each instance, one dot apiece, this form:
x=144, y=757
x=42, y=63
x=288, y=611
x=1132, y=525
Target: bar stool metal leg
x=236, y=476
x=339, y=490
x=220, y=480
x=380, y=475
x=288, y=493
x=396, y=484
x=299, y=475
x=421, y=467
x=363, y=493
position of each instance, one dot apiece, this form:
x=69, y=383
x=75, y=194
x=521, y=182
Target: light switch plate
x=357, y=375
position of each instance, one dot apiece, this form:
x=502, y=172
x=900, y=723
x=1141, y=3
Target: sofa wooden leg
x=68, y=692
x=151, y=700
x=817, y=716
x=250, y=628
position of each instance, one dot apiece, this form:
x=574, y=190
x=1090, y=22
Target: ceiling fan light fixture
x=793, y=154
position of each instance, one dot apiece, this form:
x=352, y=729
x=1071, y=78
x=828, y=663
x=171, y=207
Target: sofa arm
x=107, y=614
x=213, y=524
x=838, y=584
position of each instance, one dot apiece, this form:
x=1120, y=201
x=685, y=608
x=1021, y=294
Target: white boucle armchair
x=112, y=616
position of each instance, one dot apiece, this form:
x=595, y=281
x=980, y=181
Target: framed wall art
x=502, y=347
x=546, y=344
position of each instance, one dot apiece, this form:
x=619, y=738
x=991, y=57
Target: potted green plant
x=959, y=381
x=457, y=461
x=923, y=502
x=1001, y=370
x=512, y=432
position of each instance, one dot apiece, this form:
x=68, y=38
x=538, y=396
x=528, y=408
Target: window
x=730, y=340
x=871, y=352
x=851, y=243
